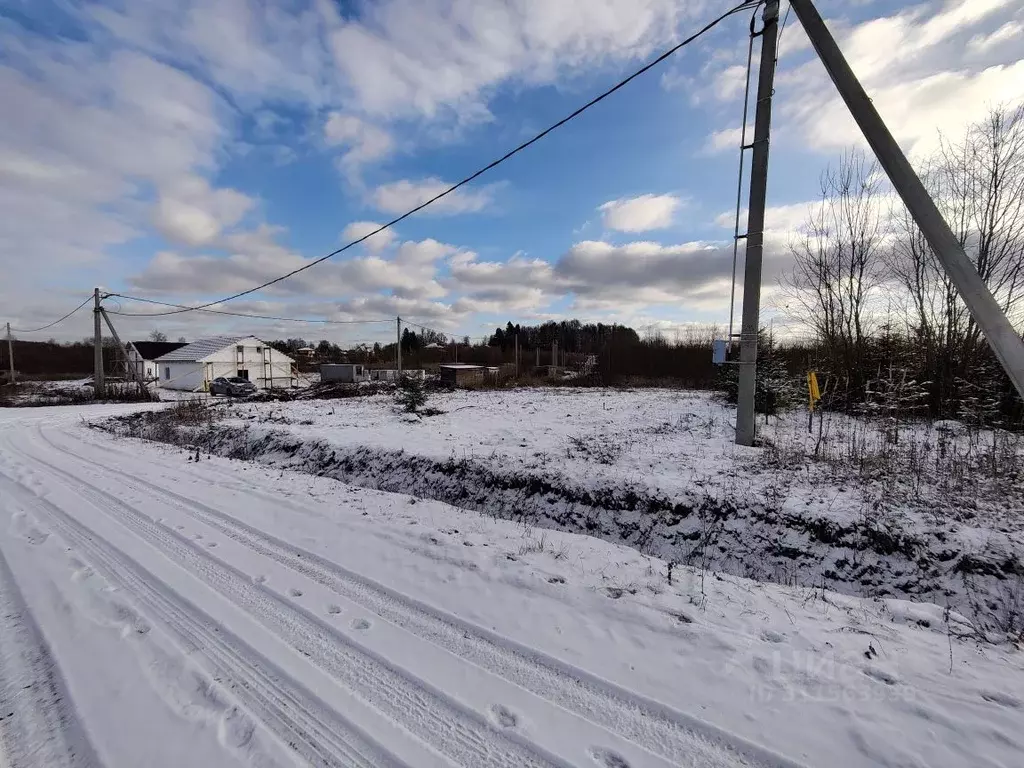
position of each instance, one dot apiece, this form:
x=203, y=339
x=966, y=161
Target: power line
x=473, y=176
x=782, y=29
x=226, y=312
x=59, y=320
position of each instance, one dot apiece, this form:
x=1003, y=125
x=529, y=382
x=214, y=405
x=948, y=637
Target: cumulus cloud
x=911, y=62
x=607, y=277
x=640, y=214
x=190, y=212
x=250, y=257
x=400, y=196
x=358, y=229
x=418, y=57
x=362, y=141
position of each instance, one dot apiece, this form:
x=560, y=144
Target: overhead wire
x=253, y=316
x=778, y=43
x=480, y=172
x=55, y=322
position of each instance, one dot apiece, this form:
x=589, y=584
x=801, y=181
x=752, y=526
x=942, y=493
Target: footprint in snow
x=261, y=579
x=771, y=636
x=556, y=580
x=1003, y=699
x=881, y=675
x=295, y=592
x=503, y=716
x=333, y=609
x=361, y=624
x=608, y=759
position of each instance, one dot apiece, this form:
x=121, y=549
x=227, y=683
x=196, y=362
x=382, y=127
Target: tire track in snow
x=649, y=724
x=38, y=722
x=462, y=735
x=316, y=733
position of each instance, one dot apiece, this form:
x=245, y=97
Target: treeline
x=52, y=358
x=569, y=335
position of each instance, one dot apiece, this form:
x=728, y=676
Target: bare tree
x=156, y=335
x=837, y=268
x=978, y=183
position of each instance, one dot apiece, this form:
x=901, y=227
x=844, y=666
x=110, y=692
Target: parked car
x=232, y=386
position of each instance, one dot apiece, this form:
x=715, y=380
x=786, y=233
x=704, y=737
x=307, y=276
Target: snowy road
x=162, y=612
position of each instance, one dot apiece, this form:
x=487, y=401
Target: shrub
x=411, y=395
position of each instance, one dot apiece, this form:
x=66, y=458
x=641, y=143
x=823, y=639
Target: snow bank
x=657, y=470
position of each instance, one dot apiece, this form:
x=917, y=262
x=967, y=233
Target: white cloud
x=640, y=214
x=363, y=142
x=725, y=139
x=418, y=57
x=190, y=212
x=911, y=62
x=401, y=196
x=359, y=229
x=1011, y=31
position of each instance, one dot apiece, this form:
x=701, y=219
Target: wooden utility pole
x=98, y=383
x=755, y=227
x=999, y=332
x=517, y=353
x=10, y=352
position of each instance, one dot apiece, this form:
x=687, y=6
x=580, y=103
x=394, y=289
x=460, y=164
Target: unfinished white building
x=193, y=366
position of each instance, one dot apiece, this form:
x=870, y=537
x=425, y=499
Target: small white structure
x=384, y=374
x=142, y=356
x=346, y=373
x=194, y=366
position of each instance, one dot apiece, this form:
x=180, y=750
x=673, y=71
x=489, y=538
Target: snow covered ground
x=163, y=612
x=933, y=513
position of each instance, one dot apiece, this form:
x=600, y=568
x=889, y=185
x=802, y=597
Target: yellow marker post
x=814, y=395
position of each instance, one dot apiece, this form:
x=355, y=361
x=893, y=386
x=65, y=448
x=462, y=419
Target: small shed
x=142, y=356
x=346, y=373
x=461, y=374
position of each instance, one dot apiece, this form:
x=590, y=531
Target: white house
x=142, y=356
x=193, y=366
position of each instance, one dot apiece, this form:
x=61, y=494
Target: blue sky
x=184, y=151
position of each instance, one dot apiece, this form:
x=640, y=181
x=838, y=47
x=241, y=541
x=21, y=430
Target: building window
x=243, y=374
x=240, y=348
x=259, y=350
x=167, y=372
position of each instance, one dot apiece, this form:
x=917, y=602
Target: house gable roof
x=203, y=348
x=197, y=350
x=151, y=350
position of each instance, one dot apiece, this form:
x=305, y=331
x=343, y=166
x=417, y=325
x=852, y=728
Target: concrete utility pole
x=755, y=227
x=129, y=368
x=98, y=383
x=399, y=354
x=1000, y=333
x=10, y=352
x=517, y=353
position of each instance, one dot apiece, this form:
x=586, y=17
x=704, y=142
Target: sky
x=184, y=151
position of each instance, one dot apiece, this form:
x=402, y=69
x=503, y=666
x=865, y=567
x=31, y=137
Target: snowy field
x=160, y=611
x=926, y=512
